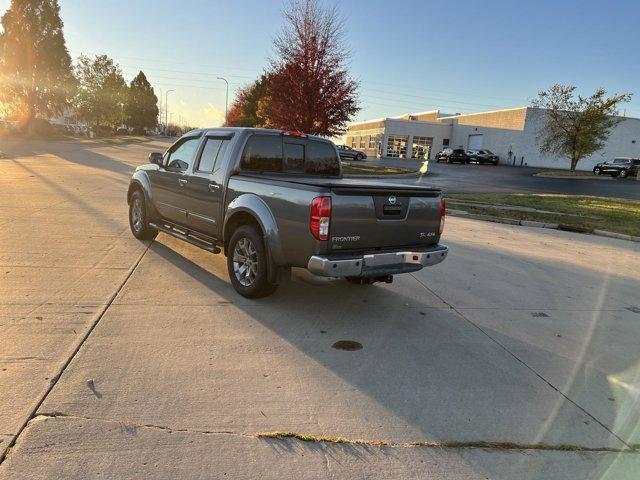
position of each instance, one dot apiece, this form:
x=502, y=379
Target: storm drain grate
x=633, y=309
x=539, y=314
x=348, y=345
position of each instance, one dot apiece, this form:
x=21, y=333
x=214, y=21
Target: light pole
x=166, y=110
x=160, y=107
x=226, y=98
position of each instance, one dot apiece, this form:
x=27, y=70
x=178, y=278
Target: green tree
x=245, y=110
x=575, y=126
x=35, y=66
x=142, y=104
x=102, y=93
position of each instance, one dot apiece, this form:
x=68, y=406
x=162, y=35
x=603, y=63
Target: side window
x=263, y=153
x=293, y=157
x=618, y=161
x=322, y=159
x=182, y=155
x=209, y=155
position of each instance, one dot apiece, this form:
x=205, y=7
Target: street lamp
x=226, y=98
x=166, y=110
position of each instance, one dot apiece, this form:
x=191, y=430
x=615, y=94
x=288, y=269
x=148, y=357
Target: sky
x=407, y=55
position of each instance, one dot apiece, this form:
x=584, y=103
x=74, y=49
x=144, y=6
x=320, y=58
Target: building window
x=353, y=142
x=421, y=147
x=374, y=140
x=445, y=142
x=362, y=142
x=397, y=146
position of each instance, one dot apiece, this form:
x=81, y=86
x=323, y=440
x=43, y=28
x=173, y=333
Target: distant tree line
x=39, y=80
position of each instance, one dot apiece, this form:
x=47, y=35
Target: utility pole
x=226, y=98
x=166, y=110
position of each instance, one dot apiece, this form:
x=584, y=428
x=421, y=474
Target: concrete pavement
x=522, y=338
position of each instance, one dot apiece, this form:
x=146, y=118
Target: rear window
x=322, y=159
x=263, y=153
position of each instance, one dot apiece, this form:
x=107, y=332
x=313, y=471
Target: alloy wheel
x=137, y=215
x=245, y=262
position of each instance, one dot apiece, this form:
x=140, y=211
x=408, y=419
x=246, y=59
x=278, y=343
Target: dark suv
x=483, y=156
x=622, y=167
x=453, y=155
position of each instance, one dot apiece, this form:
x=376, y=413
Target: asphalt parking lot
x=517, y=357
x=472, y=178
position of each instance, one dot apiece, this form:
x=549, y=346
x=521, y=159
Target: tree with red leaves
x=245, y=111
x=309, y=87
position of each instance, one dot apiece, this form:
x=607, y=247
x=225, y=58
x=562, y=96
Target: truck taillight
x=443, y=212
x=320, y=218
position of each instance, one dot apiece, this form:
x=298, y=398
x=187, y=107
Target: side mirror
x=155, y=157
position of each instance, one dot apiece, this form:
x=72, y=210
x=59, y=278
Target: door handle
x=182, y=182
x=214, y=186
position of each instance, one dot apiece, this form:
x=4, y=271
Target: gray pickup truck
x=272, y=200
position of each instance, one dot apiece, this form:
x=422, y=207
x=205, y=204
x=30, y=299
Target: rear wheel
x=247, y=263
x=138, y=221
x=623, y=174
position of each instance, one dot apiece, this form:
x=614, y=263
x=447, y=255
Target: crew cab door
x=205, y=186
x=168, y=182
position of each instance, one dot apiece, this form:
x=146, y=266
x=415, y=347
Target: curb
x=569, y=177
x=553, y=226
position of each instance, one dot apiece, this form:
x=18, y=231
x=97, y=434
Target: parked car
x=348, y=153
x=622, y=167
x=272, y=200
x=451, y=155
x=483, y=156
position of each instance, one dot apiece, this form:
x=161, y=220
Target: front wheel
x=359, y=158
x=247, y=263
x=138, y=221
x=597, y=171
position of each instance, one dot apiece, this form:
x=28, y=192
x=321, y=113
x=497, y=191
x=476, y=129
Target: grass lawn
x=611, y=214
x=348, y=169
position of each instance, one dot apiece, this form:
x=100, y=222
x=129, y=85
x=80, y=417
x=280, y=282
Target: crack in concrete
x=526, y=365
x=54, y=378
x=130, y=427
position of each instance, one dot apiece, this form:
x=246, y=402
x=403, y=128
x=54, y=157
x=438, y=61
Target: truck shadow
x=427, y=373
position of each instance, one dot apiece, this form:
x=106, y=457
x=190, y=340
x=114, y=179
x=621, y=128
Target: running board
x=209, y=247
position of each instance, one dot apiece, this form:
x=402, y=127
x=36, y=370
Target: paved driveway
x=472, y=178
x=515, y=358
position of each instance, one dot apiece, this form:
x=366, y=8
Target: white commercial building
x=511, y=134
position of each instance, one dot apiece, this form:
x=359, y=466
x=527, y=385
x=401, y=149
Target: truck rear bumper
x=376, y=264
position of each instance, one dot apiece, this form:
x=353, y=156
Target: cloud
x=214, y=115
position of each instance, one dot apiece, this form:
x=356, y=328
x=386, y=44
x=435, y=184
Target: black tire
x=359, y=157
x=138, y=217
x=597, y=171
x=623, y=174
x=252, y=281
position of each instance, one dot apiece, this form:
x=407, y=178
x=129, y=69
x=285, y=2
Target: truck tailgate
x=382, y=217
